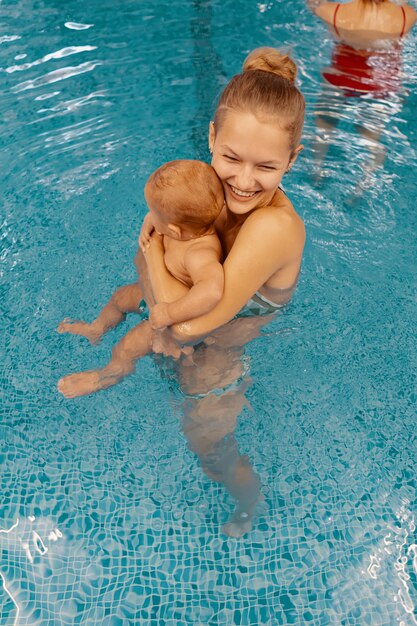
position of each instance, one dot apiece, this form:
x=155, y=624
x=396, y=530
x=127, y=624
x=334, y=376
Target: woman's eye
x=230, y=158
x=268, y=168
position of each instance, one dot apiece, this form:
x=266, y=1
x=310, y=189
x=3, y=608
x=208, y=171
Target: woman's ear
x=294, y=156
x=211, y=137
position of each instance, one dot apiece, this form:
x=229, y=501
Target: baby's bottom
x=124, y=300
x=134, y=345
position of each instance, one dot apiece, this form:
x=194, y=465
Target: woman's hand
x=145, y=233
x=154, y=246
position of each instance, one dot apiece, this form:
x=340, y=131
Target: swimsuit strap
x=403, y=28
x=338, y=7
x=334, y=18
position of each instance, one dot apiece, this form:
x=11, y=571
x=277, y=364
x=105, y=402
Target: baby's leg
x=135, y=344
x=124, y=300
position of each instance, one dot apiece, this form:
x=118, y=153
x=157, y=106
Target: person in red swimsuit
x=365, y=24
x=366, y=61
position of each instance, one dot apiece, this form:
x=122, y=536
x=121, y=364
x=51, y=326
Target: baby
x=184, y=199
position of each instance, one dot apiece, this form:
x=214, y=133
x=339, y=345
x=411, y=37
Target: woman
x=254, y=140
x=366, y=61
x=366, y=24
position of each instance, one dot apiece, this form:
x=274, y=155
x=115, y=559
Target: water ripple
x=59, y=54
x=7, y=38
x=69, y=106
x=55, y=76
x=77, y=26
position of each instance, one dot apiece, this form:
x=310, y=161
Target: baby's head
x=184, y=198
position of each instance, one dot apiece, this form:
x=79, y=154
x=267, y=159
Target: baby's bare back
x=176, y=254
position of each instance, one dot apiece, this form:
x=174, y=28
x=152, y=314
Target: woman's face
x=250, y=158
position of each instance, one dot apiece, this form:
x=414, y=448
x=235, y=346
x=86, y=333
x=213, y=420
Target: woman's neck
x=362, y=4
x=234, y=220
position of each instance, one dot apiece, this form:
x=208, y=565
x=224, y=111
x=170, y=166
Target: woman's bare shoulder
x=277, y=225
x=280, y=214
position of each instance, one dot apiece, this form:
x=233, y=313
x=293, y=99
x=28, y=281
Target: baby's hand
x=159, y=316
x=145, y=233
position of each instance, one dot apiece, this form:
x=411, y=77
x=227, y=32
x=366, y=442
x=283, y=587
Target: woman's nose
x=244, y=178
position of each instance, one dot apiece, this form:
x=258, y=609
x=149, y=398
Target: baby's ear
x=175, y=231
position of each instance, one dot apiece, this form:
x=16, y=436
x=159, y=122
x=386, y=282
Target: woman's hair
x=266, y=88
x=186, y=192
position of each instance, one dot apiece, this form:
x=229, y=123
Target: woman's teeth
x=243, y=194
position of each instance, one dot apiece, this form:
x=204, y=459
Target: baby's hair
x=186, y=193
x=266, y=88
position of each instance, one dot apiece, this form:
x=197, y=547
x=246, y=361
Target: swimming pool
x=106, y=516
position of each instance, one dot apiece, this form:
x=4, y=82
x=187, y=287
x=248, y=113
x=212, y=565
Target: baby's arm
x=204, y=268
x=268, y=240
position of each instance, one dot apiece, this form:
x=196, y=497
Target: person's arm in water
x=314, y=4
x=324, y=10
x=268, y=241
x=410, y=17
x=206, y=273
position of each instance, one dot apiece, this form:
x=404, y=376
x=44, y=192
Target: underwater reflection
x=213, y=381
x=362, y=88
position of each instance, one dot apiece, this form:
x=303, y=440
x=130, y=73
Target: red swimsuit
x=364, y=71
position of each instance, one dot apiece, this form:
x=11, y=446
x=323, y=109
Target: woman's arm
x=267, y=241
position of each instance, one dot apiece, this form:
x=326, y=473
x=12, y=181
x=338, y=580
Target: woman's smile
x=250, y=157
x=241, y=195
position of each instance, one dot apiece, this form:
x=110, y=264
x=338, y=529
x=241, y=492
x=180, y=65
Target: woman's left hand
x=156, y=244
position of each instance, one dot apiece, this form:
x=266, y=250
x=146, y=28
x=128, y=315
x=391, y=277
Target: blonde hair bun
x=271, y=60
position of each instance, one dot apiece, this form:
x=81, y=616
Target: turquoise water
x=107, y=517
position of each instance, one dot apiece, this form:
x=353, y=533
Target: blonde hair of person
x=266, y=88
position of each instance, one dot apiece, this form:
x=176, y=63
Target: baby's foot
x=75, y=327
x=80, y=384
